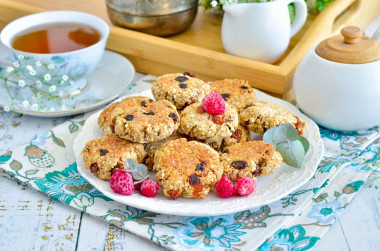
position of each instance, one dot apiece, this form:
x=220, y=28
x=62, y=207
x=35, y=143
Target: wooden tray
x=200, y=50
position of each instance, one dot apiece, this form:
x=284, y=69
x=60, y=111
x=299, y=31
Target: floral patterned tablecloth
x=296, y=222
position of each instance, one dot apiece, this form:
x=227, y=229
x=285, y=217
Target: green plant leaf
x=291, y=146
x=142, y=169
x=140, y=173
x=305, y=143
x=283, y=133
x=292, y=153
x=131, y=164
x=267, y=137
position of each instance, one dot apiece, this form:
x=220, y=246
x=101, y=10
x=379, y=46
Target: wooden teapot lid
x=352, y=47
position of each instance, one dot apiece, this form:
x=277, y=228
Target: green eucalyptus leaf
x=267, y=137
x=140, y=172
x=137, y=176
x=292, y=153
x=284, y=132
x=131, y=164
x=142, y=168
x=305, y=143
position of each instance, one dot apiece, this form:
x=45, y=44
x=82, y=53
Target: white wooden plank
x=96, y=235
x=361, y=220
x=334, y=239
x=29, y=220
x=20, y=129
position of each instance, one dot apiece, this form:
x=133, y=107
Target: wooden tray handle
x=16, y=10
x=337, y=15
x=329, y=21
x=347, y=17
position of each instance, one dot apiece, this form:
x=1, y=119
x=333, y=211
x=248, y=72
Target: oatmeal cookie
x=250, y=159
x=104, y=119
x=197, y=123
x=107, y=154
x=240, y=135
x=262, y=116
x=179, y=89
x=235, y=92
x=143, y=120
x=187, y=169
x=152, y=147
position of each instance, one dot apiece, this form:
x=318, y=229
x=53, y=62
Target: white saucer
x=112, y=76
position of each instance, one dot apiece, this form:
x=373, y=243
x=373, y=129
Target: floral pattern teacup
x=56, y=74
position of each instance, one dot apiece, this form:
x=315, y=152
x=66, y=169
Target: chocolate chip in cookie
x=129, y=117
x=239, y=164
x=103, y=152
x=225, y=96
x=183, y=86
x=181, y=78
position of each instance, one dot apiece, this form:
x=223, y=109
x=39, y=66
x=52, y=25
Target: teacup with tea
x=56, y=50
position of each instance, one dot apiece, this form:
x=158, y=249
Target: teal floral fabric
x=296, y=222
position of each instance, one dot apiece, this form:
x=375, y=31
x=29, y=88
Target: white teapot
x=338, y=83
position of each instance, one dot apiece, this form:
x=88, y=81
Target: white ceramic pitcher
x=261, y=31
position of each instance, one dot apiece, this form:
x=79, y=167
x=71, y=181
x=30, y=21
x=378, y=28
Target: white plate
x=269, y=188
x=112, y=76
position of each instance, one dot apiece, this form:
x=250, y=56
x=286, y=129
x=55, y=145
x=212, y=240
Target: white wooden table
x=32, y=221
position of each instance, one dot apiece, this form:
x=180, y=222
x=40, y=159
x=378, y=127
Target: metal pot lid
x=351, y=47
x=151, y=7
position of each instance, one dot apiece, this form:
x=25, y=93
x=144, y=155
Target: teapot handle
x=300, y=16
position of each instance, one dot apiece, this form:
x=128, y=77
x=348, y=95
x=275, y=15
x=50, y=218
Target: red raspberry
x=138, y=185
x=149, y=188
x=122, y=182
x=245, y=186
x=214, y=104
x=225, y=188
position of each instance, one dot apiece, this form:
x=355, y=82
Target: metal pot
x=156, y=17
